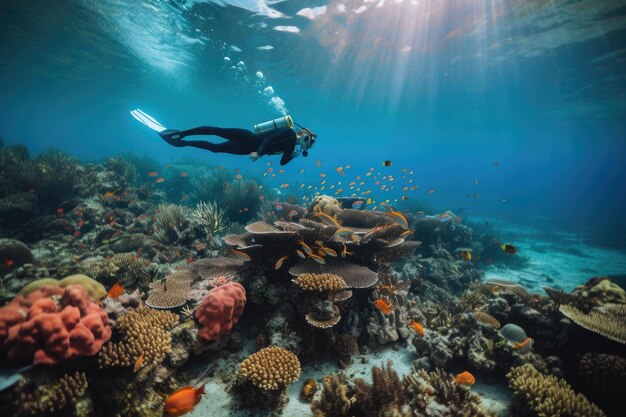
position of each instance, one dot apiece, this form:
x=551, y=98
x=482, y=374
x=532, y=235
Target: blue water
x=443, y=88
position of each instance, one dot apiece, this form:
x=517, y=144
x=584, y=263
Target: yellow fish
x=240, y=255
x=279, y=262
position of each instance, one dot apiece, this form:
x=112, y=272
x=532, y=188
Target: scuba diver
x=272, y=137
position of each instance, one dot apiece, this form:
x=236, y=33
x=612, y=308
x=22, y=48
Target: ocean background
x=443, y=88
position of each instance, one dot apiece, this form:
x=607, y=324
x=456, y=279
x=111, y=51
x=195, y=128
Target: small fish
x=278, y=207
x=283, y=186
x=340, y=171
x=405, y=197
x=142, y=217
x=159, y=180
x=444, y=218
x=465, y=378
x=477, y=182
x=76, y=233
x=465, y=254
x=323, y=175
x=329, y=251
x=153, y=174
x=431, y=191
x=344, y=251
x=525, y=345
x=342, y=231
x=318, y=163
x=300, y=253
x=326, y=219
x=292, y=214
x=510, y=249
x=183, y=174
x=279, y=262
x=281, y=171
x=406, y=233
x=317, y=258
x=417, y=327
x=302, y=171
x=496, y=163
x=182, y=401
x=240, y=255
x=387, y=163
x=9, y=262
x=138, y=363
x=399, y=218
x=383, y=306
x=321, y=253
x=238, y=177
x=115, y=291
x=305, y=247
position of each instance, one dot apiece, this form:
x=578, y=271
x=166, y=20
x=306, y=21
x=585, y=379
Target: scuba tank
x=285, y=121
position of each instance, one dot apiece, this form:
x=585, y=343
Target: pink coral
x=52, y=325
x=220, y=310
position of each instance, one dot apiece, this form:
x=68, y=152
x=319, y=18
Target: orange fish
x=159, y=180
x=417, y=327
x=183, y=174
x=182, y=401
x=77, y=233
x=317, y=258
x=138, y=363
x=279, y=262
x=115, y=291
x=153, y=174
x=383, y=306
x=241, y=255
x=524, y=344
x=465, y=378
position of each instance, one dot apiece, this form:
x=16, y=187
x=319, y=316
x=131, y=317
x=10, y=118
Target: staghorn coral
x=271, y=368
x=50, y=398
x=210, y=216
x=434, y=394
x=52, y=325
x=604, y=372
x=608, y=320
x=170, y=221
x=336, y=398
x=144, y=332
x=172, y=292
x=319, y=282
x=385, y=396
x=547, y=395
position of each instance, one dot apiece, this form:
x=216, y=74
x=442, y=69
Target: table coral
x=220, y=310
x=52, y=325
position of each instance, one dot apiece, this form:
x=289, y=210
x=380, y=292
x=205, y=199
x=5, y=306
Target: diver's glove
x=254, y=156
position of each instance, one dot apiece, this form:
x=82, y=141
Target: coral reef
x=52, y=325
x=220, y=310
x=49, y=398
x=547, y=395
x=173, y=292
x=144, y=334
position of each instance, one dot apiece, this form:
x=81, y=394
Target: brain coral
x=220, y=310
x=52, y=325
x=270, y=368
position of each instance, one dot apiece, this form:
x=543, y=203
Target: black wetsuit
x=238, y=141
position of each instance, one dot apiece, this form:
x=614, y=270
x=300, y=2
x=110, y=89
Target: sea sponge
x=547, y=395
x=319, y=282
x=220, y=310
x=270, y=368
x=144, y=332
x=94, y=288
x=52, y=325
x=608, y=320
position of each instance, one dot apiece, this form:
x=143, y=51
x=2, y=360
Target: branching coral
x=144, y=332
x=50, y=398
x=385, y=396
x=210, y=216
x=170, y=221
x=319, y=282
x=608, y=320
x=336, y=399
x=547, y=395
x=355, y=276
x=271, y=368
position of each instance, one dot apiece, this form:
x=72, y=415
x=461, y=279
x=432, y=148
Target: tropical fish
x=340, y=171
x=465, y=378
x=292, y=214
x=326, y=219
x=240, y=255
x=387, y=163
x=318, y=163
x=317, y=258
x=279, y=262
x=525, y=345
x=509, y=248
x=496, y=163
x=238, y=177
x=345, y=252
x=153, y=174
x=417, y=327
x=383, y=306
x=399, y=218
x=182, y=401
x=183, y=174
x=405, y=197
x=115, y=291
x=138, y=363
x=343, y=231
x=406, y=233
x=431, y=191
x=305, y=247
x=281, y=171
x=159, y=180
x=326, y=250
x=370, y=235
x=110, y=196
x=477, y=182
x=283, y=186
x=300, y=253
x=321, y=253
x=465, y=254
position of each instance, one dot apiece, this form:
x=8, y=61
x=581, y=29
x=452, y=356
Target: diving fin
x=147, y=120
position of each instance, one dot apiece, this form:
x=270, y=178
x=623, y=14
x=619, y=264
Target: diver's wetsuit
x=239, y=141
